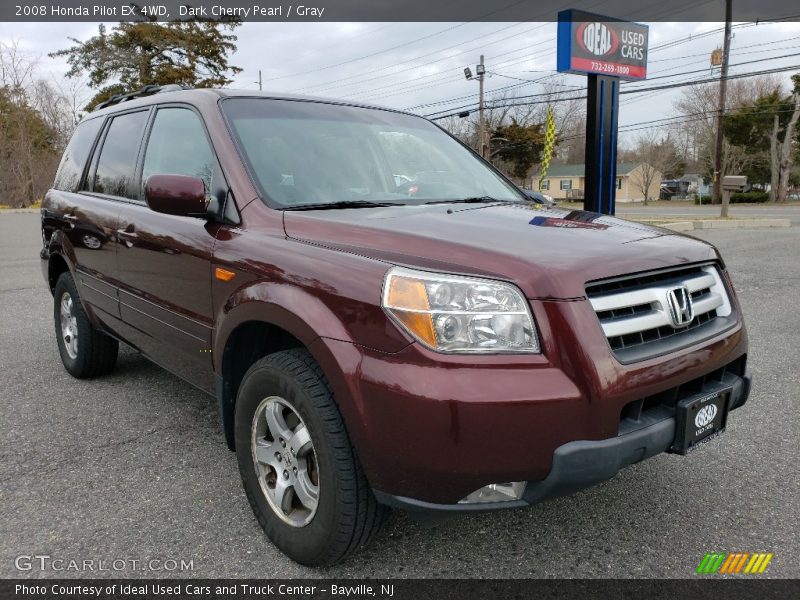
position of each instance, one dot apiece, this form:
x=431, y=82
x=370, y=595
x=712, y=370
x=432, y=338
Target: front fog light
x=456, y=314
x=496, y=492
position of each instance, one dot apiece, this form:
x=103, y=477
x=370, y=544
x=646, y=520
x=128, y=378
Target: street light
x=480, y=71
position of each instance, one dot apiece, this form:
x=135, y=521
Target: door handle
x=71, y=220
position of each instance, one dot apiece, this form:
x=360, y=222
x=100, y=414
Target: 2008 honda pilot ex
x=384, y=319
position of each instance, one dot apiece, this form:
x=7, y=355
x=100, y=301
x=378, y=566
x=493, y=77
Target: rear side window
x=70, y=170
x=117, y=163
x=178, y=146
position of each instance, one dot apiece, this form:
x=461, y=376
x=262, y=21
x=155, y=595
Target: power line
x=627, y=91
x=705, y=54
x=339, y=80
x=434, y=79
x=677, y=120
x=442, y=76
x=457, y=45
x=396, y=47
x=657, y=48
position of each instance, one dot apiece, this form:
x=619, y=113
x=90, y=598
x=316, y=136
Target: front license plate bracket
x=699, y=418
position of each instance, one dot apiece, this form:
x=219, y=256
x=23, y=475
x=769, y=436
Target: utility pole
x=481, y=70
x=723, y=88
x=259, y=80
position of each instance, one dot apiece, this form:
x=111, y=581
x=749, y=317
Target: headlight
x=460, y=314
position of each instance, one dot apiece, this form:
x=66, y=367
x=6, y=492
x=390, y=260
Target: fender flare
x=269, y=302
x=57, y=247
x=308, y=319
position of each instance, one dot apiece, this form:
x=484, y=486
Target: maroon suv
x=384, y=319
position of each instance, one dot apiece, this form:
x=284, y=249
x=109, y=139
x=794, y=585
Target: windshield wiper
x=472, y=200
x=343, y=204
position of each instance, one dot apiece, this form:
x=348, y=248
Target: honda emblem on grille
x=681, y=309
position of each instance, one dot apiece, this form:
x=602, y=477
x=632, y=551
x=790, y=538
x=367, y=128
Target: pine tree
x=139, y=53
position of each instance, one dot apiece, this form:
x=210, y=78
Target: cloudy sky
x=419, y=66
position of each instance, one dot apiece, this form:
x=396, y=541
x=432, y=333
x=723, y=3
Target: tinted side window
x=117, y=162
x=178, y=146
x=70, y=170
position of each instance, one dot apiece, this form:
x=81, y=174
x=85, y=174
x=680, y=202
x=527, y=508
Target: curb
x=19, y=211
x=731, y=224
x=737, y=223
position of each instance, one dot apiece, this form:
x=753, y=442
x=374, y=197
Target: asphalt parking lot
x=133, y=465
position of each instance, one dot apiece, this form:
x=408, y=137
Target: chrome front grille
x=640, y=321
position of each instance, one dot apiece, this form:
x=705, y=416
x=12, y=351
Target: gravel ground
x=133, y=465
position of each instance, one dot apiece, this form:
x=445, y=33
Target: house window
x=565, y=184
x=544, y=185
x=619, y=183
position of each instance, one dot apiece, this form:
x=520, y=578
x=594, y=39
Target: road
x=133, y=466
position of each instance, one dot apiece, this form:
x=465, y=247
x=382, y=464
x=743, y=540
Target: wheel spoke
x=265, y=454
x=278, y=428
x=66, y=309
x=282, y=495
x=300, y=442
x=307, y=493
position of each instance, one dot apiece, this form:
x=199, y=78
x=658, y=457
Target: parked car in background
x=383, y=318
x=674, y=189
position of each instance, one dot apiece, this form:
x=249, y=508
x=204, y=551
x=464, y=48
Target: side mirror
x=179, y=195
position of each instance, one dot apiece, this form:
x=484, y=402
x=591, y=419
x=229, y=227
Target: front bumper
x=435, y=428
x=584, y=463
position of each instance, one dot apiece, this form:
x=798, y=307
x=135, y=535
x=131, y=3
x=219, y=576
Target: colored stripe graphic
x=734, y=562
x=741, y=562
x=726, y=566
x=764, y=564
x=711, y=562
x=758, y=563
x=701, y=568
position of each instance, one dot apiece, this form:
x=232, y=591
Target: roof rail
x=147, y=90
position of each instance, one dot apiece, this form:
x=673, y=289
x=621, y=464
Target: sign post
x=606, y=50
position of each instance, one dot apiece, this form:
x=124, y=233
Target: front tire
x=298, y=468
x=85, y=351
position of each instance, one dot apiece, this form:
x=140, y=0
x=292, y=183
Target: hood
x=549, y=253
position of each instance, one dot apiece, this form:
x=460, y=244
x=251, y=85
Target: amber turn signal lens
x=406, y=296
x=420, y=324
x=223, y=274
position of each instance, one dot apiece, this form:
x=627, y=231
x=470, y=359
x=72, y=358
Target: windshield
x=314, y=154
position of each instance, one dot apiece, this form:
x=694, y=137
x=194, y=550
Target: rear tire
x=85, y=351
x=331, y=511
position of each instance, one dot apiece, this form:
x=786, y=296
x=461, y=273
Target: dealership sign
x=593, y=44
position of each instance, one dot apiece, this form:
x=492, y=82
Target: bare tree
x=698, y=105
x=33, y=128
x=503, y=109
x=785, y=162
x=657, y=154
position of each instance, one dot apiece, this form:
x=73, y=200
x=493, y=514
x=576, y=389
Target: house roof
x=577, y=170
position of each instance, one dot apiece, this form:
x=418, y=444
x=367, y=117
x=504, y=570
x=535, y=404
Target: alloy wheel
x=285, y=461
x=69, y=326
